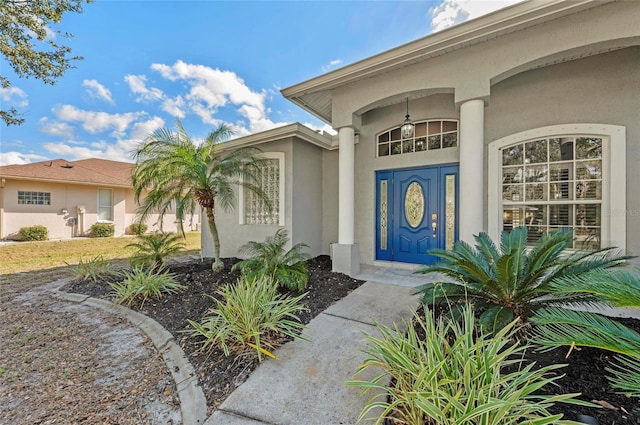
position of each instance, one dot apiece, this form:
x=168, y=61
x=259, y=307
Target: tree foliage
x=174, y=171
x=28, y=42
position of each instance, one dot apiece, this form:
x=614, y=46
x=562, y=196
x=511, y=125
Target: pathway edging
x=193, y=404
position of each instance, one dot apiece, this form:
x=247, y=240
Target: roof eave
x=81, y=183
x=528, y=12
x=279, y=133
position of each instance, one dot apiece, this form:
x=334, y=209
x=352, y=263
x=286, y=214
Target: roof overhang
x=315, y=95
x=81, y=183
x=296, y=130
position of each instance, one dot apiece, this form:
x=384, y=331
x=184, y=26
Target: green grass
x=24, y=257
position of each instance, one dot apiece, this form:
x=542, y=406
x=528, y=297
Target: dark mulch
x=218, y=374
x=586, y=373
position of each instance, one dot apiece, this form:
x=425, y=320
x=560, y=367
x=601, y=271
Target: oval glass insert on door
x=414, y=204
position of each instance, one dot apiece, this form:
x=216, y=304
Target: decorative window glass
x=105, y=205
x=34, y=198
x=552, y=183
x=256, y=209
x=427, y=135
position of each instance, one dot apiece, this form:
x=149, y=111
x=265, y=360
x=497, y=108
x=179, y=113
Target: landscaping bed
x=218, y=374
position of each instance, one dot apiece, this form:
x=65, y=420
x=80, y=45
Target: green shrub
x=286, y=268
x=34, y=233
x=514, y=280
x=138, y=229
x=454, y=375
x=251, y=315
x=155, y=247
x=101, y=230
x=93, y=269
x=141, y=284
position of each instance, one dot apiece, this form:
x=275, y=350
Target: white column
x=346, y=164
x=471, y=169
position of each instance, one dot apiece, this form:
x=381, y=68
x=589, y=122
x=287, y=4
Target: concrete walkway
x=306, y=386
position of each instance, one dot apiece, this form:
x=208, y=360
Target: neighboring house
x=527, y=116
x=68, y=197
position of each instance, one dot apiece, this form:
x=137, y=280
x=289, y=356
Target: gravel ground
x=64, y=363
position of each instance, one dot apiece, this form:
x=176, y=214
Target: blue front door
x=415, y=212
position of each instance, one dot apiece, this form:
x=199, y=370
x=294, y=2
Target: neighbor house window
x=270, y=179
x=574, y=181
x=34, y=198
x=427, y=135
x=105, y=205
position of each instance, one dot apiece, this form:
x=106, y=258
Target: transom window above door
x=428, y=135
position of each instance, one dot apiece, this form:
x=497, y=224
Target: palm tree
x=173, y=170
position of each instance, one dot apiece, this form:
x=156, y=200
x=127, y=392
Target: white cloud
x=175, y=107
x=452, y=12
x=14, y=96
x=211, y=89
x=97, y=91
x=138, y=85
x=120, y=151
x=325, y=128
x=332, y=64
x=97, y=122
x=8, y=158
x=141, y=130
x=55, y=128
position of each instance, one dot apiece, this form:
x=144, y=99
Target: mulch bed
x=586, y=373
x=218, y=374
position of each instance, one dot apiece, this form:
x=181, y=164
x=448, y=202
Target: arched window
x=553, y=183
x=565, y=176
x=428, y=135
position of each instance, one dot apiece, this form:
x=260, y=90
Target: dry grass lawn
x=49, y=260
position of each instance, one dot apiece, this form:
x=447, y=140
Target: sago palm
x=555, y=327
x=174, y=171
x=513, y=280
x=286, y=268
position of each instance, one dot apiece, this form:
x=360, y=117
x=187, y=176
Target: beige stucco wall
x=70, y=197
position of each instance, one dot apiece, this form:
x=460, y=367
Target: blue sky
x=147, y=63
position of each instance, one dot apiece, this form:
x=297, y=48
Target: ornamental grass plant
x=93, y=269
x=250, y=316
x=141, y=284
x=152, y=249
x=446, y=372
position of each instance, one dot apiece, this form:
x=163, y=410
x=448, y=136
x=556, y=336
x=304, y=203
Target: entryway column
x=471, y=169
x=345, y=256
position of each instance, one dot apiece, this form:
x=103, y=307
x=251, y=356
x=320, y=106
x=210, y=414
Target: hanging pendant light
x=407, y=125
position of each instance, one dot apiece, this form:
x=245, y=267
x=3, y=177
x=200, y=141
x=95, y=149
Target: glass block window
x=427, y=135
x=105, y=205
x=256, y=209
x=34, y=198
x=553, y=183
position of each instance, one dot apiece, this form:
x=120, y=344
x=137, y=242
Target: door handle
x=434, y=224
